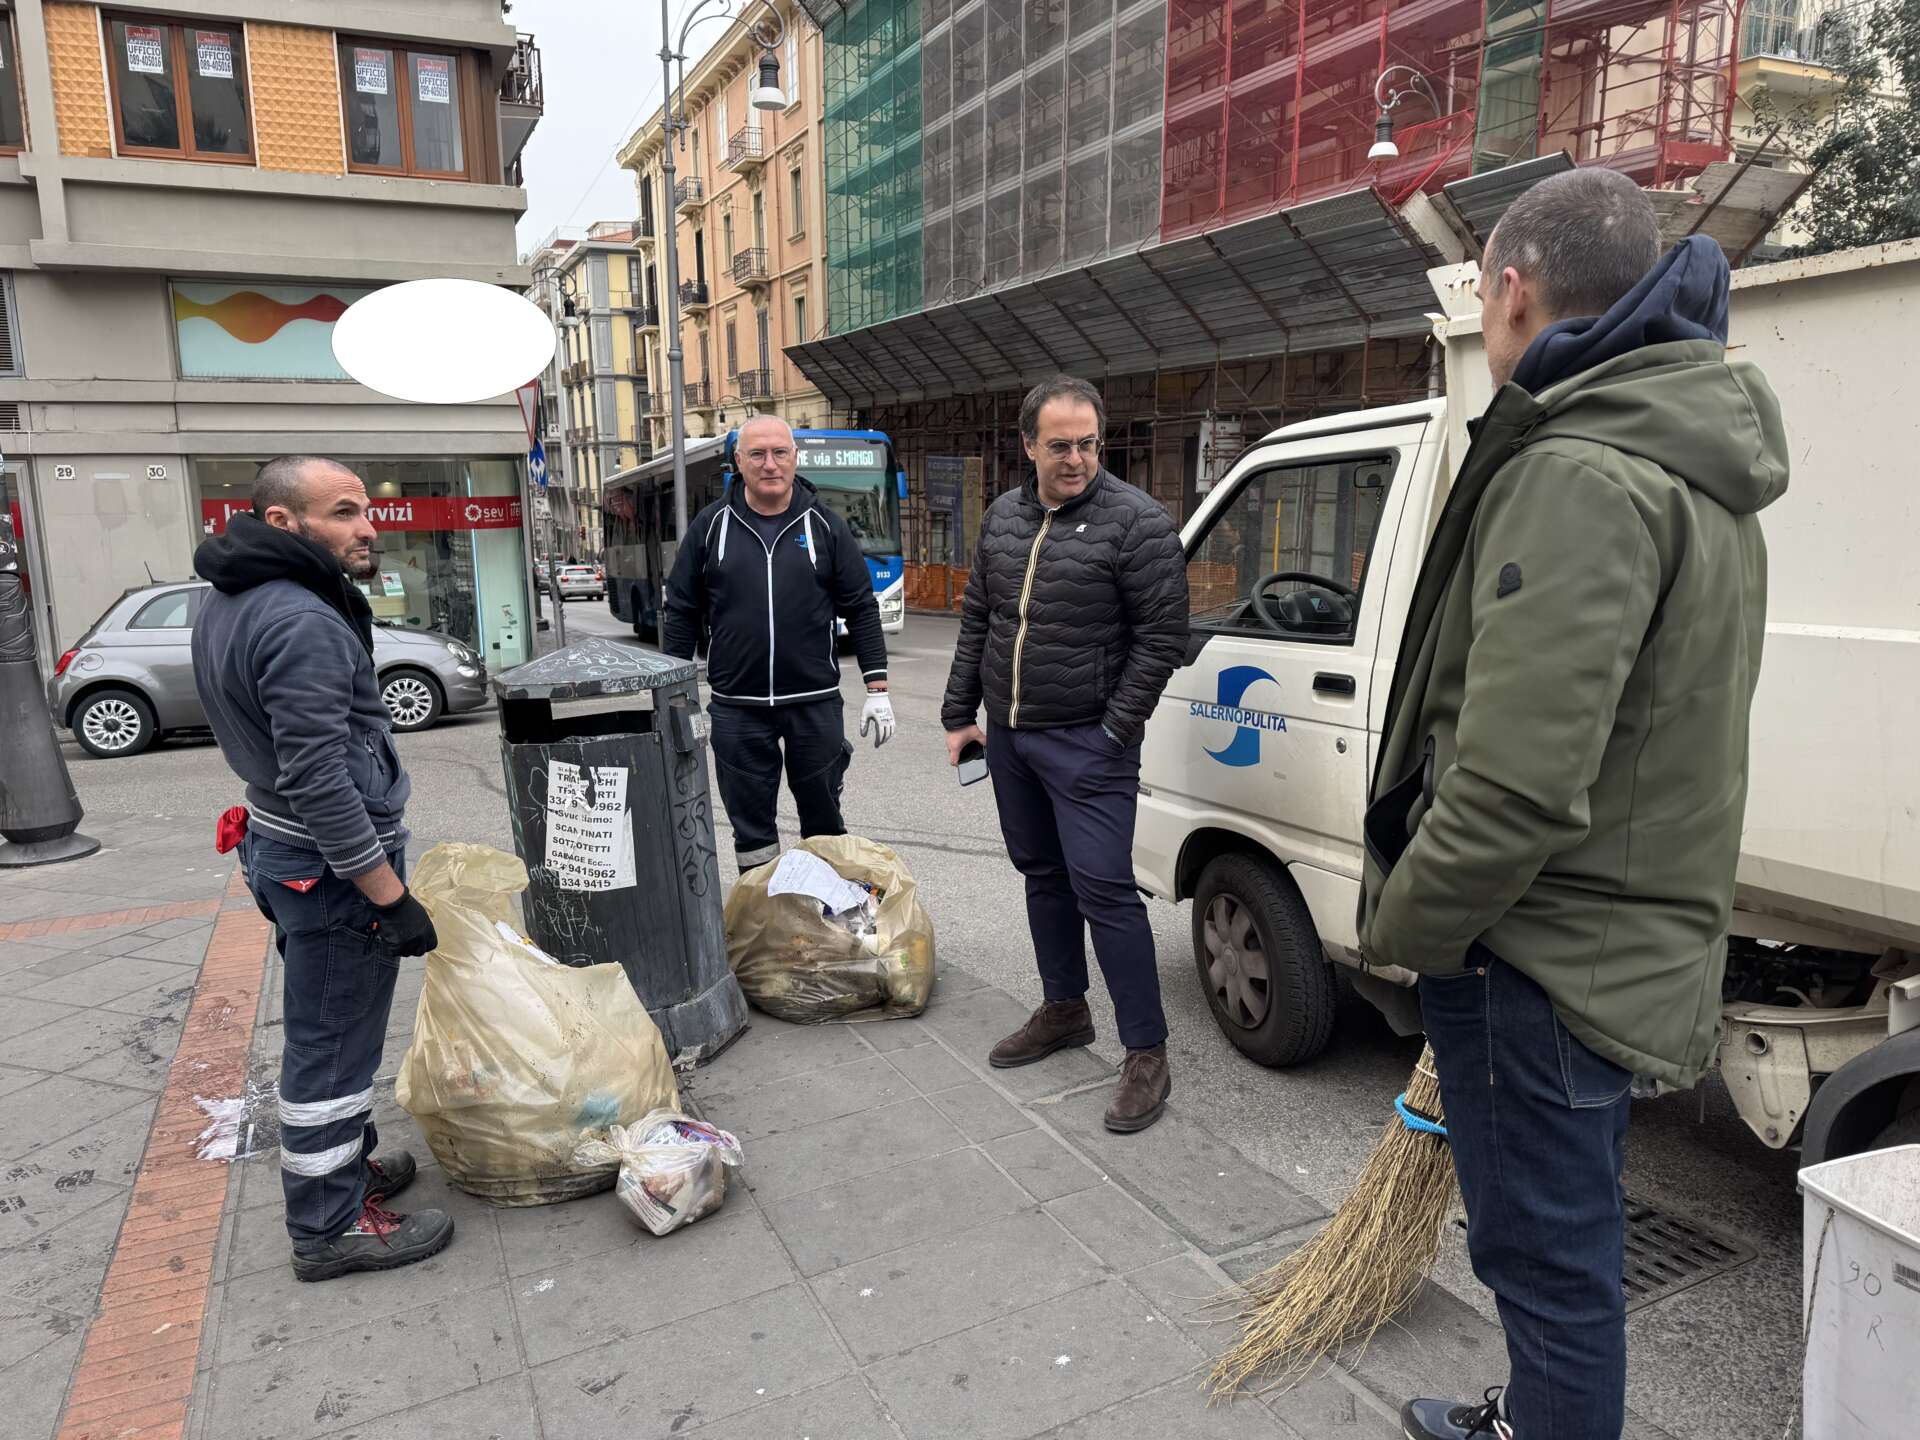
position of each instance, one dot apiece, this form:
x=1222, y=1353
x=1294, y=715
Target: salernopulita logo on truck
x=1235, y=681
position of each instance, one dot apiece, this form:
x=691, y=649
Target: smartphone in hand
x=973, y=762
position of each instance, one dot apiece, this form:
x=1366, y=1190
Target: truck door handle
x=1329, y=684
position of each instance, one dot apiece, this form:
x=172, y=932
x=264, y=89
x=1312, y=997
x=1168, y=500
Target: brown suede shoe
x=1056, y=1025
x=1145, y=1084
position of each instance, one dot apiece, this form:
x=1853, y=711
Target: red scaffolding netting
x=1271, y=102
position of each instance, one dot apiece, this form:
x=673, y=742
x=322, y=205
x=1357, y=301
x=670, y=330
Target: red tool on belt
x=230, y=829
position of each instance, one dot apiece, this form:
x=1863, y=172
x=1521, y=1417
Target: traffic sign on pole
x=529, y=397
x=537, y=465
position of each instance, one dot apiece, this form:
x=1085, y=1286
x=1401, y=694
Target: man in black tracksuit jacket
x=1075, y=618
x=760, y=578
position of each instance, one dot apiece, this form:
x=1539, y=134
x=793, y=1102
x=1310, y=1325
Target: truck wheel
x=1261, y=964
x=1905, y=1126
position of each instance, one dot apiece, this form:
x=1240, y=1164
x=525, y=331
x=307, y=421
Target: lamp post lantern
x=769, y=33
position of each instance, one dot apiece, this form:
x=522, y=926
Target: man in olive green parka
x=1557, y=807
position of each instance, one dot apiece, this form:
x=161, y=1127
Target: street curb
x=136, y=1370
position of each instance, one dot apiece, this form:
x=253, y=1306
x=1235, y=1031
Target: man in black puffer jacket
x=1075, y=618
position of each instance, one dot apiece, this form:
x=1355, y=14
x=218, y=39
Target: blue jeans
x=1067, y=800
x=338, y=990
x=1538, y=1126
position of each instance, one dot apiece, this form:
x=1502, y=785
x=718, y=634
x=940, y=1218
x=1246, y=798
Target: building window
x=406, y=112
x=800, y=334
x=13, y=125
x=793, y=62
x=733, y=350
x=796, y=203
x=179, y=90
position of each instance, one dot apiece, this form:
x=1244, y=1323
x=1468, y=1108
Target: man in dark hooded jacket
x=283, y=661
x=1558, y=801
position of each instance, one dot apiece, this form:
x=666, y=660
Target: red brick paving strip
x=148, y=915
x=136, y=1373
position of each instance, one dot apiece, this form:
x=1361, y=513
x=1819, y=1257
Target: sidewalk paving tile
x=931, y=1067
x=57, y=1106
x=263, y=1306
x=828, y=1228
x=974, y=1023
x=980, y=1112
x=769, y=1050
x=705, y=1368
x=1036, y=1368
x=63, y=1271
x=104, y=979
x=1183, y=1291
x=36, y=1199
x=26, y=1330
x=539, y=1240
x=1042, y=1166
x=658, y=1280
x=372, y=1370
x=952, y=1282
x=1178, y=1410
x=1325, y=1407
x=182, y=949
x=1201, y=1185
x=13, y=1077
x=841, y=1409
x=796, y=1161
x=21, y=1017
x=889, y=1035
x=37, y=1387
x=1117, y=1227
x=498, y=1410
x=805, y=1099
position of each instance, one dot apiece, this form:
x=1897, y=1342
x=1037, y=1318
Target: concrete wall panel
x=106, y=526
x=94, y=326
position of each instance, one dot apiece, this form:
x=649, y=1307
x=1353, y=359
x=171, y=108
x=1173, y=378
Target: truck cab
x=1301, y=565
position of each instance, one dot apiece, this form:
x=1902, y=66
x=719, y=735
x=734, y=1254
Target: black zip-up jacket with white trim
x=765, y=614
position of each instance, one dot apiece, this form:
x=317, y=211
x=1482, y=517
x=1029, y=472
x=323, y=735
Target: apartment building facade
x=748, y=220
x=190, y=196
x=599, y=422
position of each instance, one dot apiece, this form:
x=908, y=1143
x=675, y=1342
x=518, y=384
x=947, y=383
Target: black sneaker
x=1450, y=1420
x=379, y=1240
x=389, y=1174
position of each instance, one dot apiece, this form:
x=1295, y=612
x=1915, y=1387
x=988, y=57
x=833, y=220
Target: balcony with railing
x=689, y=194
x=693, y=295
x=646, y=318
x=1809, y=32
x=747, y=150
x=699, y=394
x=754, y=384
x=522, y=102
x=750, y=267
x=643, y=232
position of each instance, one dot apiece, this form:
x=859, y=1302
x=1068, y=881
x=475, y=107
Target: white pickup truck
x=1301, y=564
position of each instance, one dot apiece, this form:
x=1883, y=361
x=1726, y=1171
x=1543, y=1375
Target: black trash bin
x=610, y=809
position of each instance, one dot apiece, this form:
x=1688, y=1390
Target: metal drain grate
x=1666, y=1254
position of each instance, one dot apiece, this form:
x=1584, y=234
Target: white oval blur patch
x=443, y=342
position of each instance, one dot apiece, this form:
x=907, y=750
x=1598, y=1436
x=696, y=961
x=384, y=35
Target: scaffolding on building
x=872, y=118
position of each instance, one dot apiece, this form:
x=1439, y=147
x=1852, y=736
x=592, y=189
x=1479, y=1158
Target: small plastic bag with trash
x=673, y=1168
x=832, y=930
x=516, y=1056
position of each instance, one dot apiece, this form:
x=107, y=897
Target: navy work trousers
x=747, y=745
x=1067, y=800
x=338, y=990
x=1538, y=1126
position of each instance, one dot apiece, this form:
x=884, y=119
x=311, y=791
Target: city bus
x=856, y=472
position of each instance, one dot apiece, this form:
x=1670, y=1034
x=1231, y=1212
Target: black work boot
x=1145, y=1084
x=1056, y=1025
x=1451, y=1420
x=388, y=1175
x=379, y=1240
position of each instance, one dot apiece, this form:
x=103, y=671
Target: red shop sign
x=412, y=512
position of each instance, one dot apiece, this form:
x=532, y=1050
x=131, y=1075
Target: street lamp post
x=560, y=290
x=766, y=96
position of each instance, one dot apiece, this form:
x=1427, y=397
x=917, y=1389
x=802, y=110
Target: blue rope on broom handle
x=1414, y=1120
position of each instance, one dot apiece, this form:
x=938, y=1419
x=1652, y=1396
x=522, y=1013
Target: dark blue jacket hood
x=1683, y=297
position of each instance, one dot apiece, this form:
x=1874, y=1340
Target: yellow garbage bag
x=798, y=963
x=515, y=1057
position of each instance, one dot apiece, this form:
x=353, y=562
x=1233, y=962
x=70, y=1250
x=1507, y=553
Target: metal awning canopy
x=1319, y=276
x=1477, y=202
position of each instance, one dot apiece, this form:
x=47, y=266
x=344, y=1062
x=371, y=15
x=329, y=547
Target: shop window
x=13, y=123
x=179, y=89
x=406, y=110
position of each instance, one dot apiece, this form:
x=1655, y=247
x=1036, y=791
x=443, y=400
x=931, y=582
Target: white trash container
x=1861, y=1292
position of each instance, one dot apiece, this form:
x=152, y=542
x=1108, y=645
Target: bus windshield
x=867, y=501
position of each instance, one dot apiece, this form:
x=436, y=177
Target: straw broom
x=1364, y=1266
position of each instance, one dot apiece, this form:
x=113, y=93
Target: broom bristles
x=1364, y=1266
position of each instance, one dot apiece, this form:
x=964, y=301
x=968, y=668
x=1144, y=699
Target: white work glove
x=877, y=717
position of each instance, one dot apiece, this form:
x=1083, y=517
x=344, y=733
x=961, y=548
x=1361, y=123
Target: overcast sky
x=601, y=64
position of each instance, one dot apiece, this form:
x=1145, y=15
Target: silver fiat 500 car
x=129, y=681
